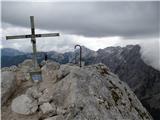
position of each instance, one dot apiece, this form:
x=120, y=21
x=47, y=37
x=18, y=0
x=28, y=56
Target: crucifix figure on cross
x=33, y=37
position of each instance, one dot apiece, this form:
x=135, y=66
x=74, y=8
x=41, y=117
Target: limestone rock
x=45, y=97
x=33, y=92
x=61, y=110
x=49, y=71
x=47, y=108
x=8, y=85
x=11, y=68
x=64, y=70
x=24, y=69
x=58, y=117
x=51, y=65
x=28, y=63
x=5, y=69
x=86, y=93
x=20, y=77
x=93, y=92
x=45, y=62
x=14, y=68
x=24, y=105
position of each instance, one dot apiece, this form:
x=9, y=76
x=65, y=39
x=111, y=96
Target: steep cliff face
x=128, y=65
x=68, y=92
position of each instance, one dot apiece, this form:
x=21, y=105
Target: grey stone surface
x=8, y=85
x=49, y=70
x=33, y=92
x=51, y=65
x=58, y=117
x=64, y=70
x=27, y=63
x=126, y=62
x=23, y=71
x=12, y=68
x=45, y=97
x=47, y=108
x=92, y=92
x=86, y=93
x=24, y=105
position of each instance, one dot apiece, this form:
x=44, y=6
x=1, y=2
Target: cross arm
x=30, y=36
x=47, y=35
x=18, y=37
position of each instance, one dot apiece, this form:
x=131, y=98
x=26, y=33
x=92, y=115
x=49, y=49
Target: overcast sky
x=92, y=24
x=91, y=19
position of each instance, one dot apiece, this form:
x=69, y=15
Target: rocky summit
x=127, y=62
x=68, y=92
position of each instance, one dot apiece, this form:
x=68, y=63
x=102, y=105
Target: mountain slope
x=11, y=52
x=69, y=92
x=127, y=63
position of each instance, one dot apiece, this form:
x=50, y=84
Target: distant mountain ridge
x=11, y=52
x=126, y=62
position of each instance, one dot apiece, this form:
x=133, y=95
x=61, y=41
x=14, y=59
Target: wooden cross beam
x=33, y=37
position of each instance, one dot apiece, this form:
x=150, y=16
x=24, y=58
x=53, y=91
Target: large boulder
x=24, y=105
x=8, y=85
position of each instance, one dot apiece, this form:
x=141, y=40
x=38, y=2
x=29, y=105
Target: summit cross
x=33, y=37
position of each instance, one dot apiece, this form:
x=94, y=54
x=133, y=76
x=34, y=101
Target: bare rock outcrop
x=49, y=70
x=86, y=93
x=47, y=108
x=12, y=77
x=24, y=105
x=8, y=85
x=24, y=68
x=92, y=92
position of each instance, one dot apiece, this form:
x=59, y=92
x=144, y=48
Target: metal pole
x=33, y=40
x=34, y=55
x=80, y=56
x=80, y=59
x=75, y=58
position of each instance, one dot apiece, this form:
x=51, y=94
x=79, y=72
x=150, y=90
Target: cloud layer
x=150, y=47
x=92, y=24
x=91, y=19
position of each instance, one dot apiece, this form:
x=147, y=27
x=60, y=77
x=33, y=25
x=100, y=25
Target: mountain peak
x=11, y=52
x=133, y=48
x=73, y=93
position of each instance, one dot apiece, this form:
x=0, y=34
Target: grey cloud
x=91, y=19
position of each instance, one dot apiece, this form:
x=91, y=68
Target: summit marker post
x=33, y=37
x=80, y=54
